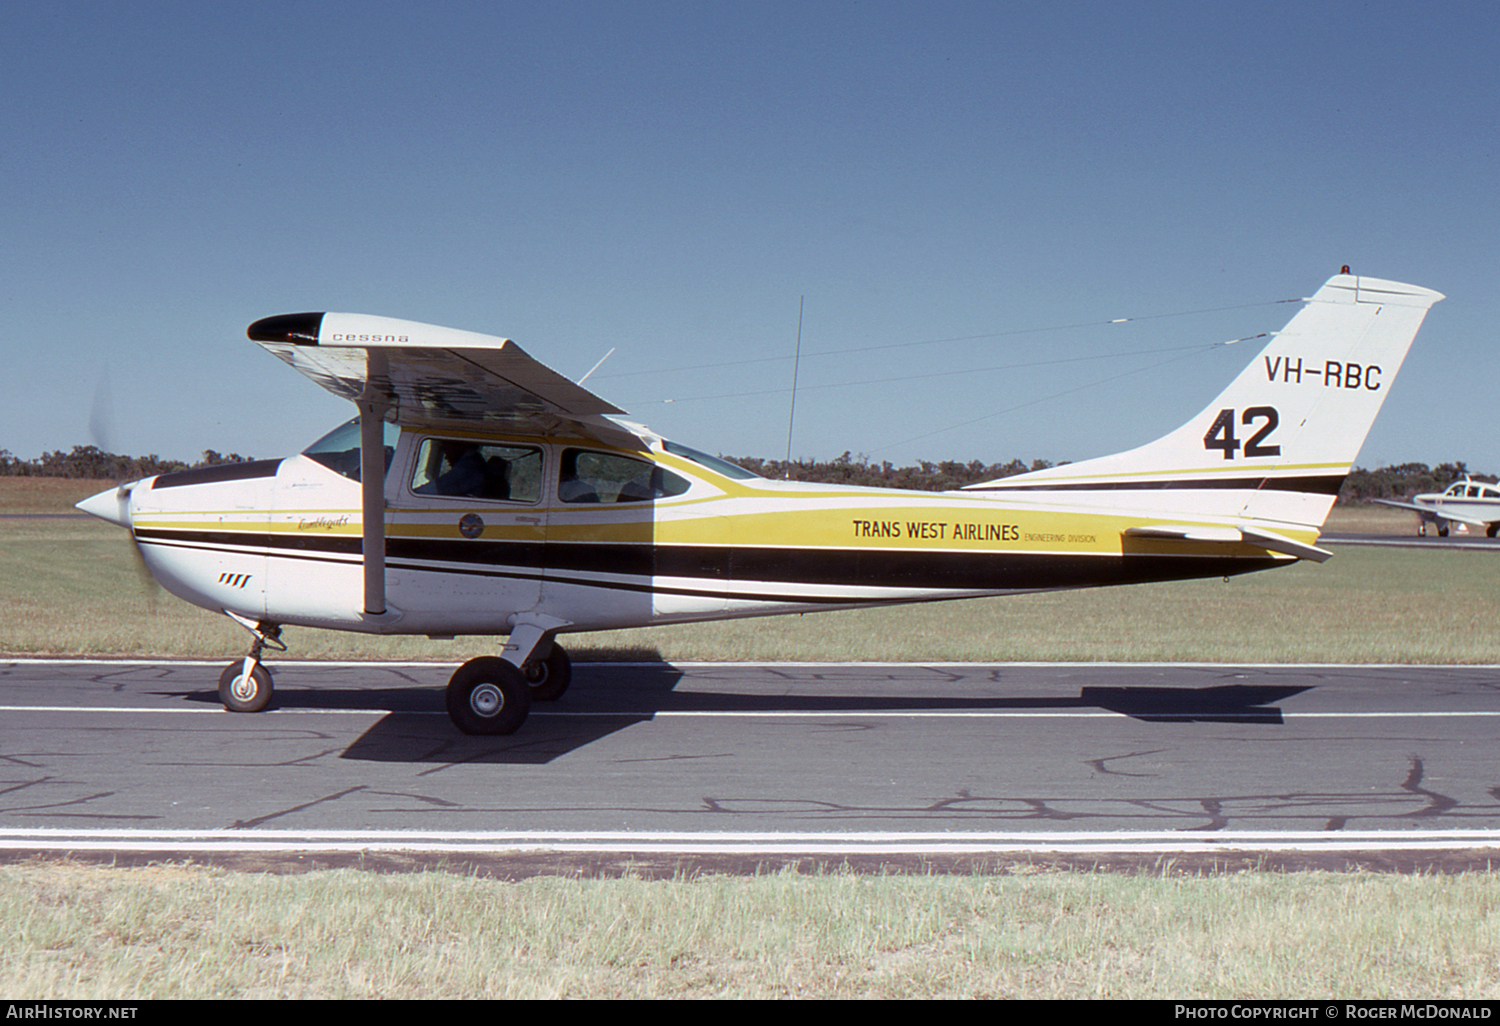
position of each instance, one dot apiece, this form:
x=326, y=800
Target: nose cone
x=112, y=504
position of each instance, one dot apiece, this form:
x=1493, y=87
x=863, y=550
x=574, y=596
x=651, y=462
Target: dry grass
x=45, y=494
x=1370, y=519
x=175, y=932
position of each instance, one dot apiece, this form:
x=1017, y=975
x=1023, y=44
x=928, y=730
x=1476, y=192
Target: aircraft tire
x=1442, y=530
x=241, y=695
x=550, y=677
x=488, y=696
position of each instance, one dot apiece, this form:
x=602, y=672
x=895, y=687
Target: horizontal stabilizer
x=1281, y=543
x=1234, y=535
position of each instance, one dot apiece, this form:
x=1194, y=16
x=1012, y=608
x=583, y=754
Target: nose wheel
x=245, y=692
x=246, y=685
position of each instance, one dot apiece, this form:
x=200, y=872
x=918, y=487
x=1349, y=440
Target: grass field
x=69, y=586
x=174, y=931
x=73, y=587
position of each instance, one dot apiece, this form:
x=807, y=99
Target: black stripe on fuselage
x=717, y=566
x=1323, y=484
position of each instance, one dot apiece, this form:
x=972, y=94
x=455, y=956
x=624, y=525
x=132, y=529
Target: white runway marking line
x=783, y=666
x=706, y=665
x=662, y=714
x=788, y=843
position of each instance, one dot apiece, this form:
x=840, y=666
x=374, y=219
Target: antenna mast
x=792, y=416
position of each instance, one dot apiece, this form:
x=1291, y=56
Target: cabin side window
x=586, y=476
x=458, y=468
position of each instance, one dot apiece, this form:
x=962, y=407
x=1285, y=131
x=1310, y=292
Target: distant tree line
x=89, y=461
x=1403, y=480
x=1394, y=482
x=858, y=470
x=1361, y=485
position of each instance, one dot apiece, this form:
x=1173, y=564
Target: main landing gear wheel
x=488, y=696
x=240, y=693
x=550, y=677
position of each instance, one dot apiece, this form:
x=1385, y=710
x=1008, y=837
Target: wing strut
x=372, y=406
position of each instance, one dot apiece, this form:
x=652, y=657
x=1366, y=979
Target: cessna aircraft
x=1476, y=503
x=478, y=492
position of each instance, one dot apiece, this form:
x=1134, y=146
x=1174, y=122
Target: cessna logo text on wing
x=479, y=492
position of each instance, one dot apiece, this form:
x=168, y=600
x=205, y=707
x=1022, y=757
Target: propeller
x=101, y=422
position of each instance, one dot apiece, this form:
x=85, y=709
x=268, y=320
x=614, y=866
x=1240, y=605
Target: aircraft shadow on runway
x=415, y=730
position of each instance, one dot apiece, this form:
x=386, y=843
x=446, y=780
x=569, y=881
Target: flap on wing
x=1248, y=535
x=433, y=375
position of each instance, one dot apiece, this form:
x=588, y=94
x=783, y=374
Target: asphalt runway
x=763, y=761
x=1472, y=542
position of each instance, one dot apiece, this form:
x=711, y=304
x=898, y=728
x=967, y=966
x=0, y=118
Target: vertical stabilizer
x=1279, y=441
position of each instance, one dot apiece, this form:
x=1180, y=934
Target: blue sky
x=960, y=195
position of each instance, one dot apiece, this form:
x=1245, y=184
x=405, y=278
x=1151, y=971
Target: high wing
x=426, y=375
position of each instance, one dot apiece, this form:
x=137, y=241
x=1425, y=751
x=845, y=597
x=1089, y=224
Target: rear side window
x=473, y=470
x=586, y=476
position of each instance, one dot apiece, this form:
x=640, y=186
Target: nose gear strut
x=245, y=685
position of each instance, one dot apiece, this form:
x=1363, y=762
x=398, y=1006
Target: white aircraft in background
x=480, y=493
x=1475, y=503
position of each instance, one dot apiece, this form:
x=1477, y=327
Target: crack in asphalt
x=1440, y=803
x=241, y=824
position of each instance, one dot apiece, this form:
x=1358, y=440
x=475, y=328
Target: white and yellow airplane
x=1474, y=503
x=478, y=492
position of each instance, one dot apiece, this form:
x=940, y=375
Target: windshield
x=715, y=463
x=339, y=449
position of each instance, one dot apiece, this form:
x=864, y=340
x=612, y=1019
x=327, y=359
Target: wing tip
x=298, y=328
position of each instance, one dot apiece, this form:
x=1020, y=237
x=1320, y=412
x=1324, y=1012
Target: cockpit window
x=715, y=463
x=454, y=467
x=605, y=477
x=339, y=449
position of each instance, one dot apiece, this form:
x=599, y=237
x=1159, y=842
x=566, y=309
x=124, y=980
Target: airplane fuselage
x=280, y=540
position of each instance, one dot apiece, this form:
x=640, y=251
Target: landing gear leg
x=246, y=685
